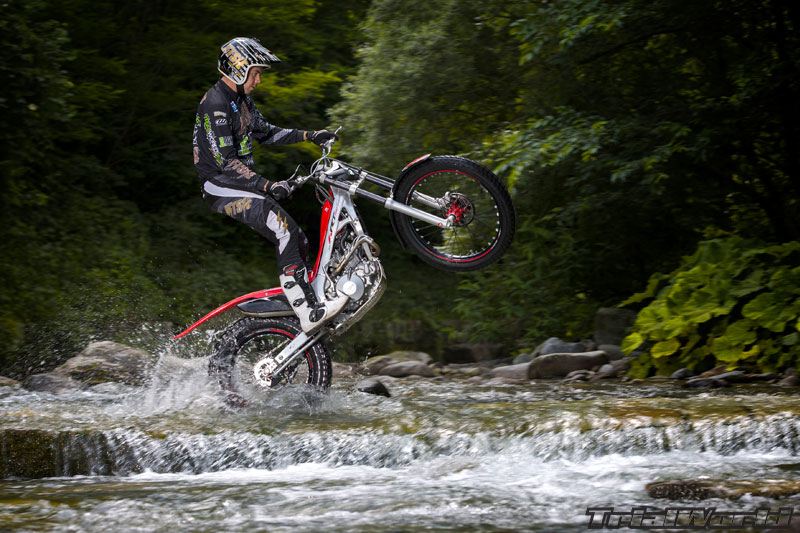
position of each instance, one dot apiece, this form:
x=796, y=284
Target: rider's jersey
x=225, y=127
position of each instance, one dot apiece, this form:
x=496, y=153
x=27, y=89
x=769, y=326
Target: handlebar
x=327, y=146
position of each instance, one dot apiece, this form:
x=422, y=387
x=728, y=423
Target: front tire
x=475, y=198
x=251, y=339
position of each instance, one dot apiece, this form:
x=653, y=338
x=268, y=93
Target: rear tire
x=250, y=339
x=470, y=192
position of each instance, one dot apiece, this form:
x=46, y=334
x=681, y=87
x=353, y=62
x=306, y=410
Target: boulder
x=374, y=365
x=579, y=375
x=341, y=370
x=54, y=383
x=790, y=381
x=106, y=361
x=682, y=373
x=373, y=386
x=408, y=368
x=523, y=358
x=716, y=371
x=611, y=324
x=471, y=353
x=613, y=351
x=558, y=365
x=556, y=345
x=517, y=372
x=705, y=383
x=8, y=382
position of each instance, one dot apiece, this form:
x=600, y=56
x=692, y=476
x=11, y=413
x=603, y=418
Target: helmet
x=240, y=54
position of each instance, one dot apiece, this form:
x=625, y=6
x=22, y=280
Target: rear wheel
x=472, y=196
x=252, y=339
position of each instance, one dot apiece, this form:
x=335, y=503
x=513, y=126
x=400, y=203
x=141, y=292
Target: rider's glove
x=320, y=137
x=280, y=190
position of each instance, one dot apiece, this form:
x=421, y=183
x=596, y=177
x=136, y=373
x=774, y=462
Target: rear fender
x=264, y=293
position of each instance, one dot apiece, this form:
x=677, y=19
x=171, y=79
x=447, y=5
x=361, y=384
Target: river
x=438, y=455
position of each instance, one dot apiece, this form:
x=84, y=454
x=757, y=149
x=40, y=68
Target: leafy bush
x=734, y=302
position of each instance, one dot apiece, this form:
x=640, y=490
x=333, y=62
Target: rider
x=226, y=123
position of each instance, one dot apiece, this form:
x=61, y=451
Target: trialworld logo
x=688, y=518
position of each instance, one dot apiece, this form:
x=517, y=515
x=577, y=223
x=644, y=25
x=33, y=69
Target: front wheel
x=472, y=197
x=252, y=339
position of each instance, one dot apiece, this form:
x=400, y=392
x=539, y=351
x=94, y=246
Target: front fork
x=266, y=370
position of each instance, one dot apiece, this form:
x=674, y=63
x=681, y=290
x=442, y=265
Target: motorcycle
x=454, y=213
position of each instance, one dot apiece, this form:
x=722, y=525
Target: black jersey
x=225, y=127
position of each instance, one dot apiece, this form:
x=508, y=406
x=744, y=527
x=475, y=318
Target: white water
x=444, y=456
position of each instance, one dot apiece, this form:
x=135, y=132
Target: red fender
x=221, y=309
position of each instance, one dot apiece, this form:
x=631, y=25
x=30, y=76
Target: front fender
x=393, y=215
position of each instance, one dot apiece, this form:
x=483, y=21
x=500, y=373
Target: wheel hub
x=460, y=208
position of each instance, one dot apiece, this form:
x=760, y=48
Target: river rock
x=108, y=361
x=790, y=381
x=374, y=365
x=408, y=368
x=682, y=373
x=578, y=375
x=613, y=351
x=341, y=370
x=556, y=345
x=8, y=382
x=705, y=383
x=373, y=386
x=616, y=368
x=557, y=365
x=518, y=372
x=611, y=324
x=523, y=358
x=716, y=371
x=50, y=382
x=471, y=353
x=703, y=489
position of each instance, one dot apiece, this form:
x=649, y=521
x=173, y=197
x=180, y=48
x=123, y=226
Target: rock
x=374, y=365
x=518, y=372
x=683, y=373
x=614, y=369
x=611, y=324
x=8, y=382
x=556, y=345
x=613, y=351
x=373, y=386
x=722, y=488
x=716, y=371
x=735, y=376
x=579, y=375
x=558, y=365
x=471, y=353
x=54, y=383
x=341, y=370
x=523, y=358
x=106, y=361
x=791, y=381
x=408, y=368
x=705, y=383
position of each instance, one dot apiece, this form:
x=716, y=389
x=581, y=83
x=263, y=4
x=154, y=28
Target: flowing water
x=437, y=455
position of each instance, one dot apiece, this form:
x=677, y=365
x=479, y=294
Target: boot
x=311, y=312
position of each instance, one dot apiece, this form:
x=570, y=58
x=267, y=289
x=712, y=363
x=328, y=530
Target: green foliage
x=734, y=302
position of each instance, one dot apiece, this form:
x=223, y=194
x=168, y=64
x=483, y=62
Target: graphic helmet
x=239, y=55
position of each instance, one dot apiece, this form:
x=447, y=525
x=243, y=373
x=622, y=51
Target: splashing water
x=443, y=455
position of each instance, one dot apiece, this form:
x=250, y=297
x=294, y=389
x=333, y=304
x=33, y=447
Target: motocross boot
x=311, y=312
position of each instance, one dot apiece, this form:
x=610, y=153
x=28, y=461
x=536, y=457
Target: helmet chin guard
x=241, y=54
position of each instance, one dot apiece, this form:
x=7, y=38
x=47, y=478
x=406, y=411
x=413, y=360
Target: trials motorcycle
x=454, y=213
